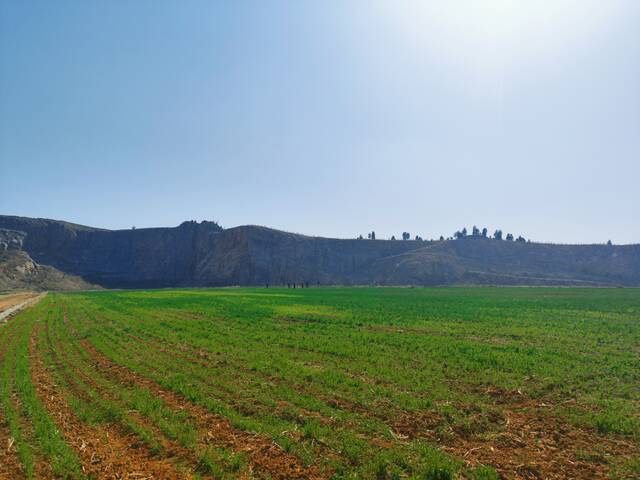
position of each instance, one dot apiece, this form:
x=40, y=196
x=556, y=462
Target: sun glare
x=487, y=34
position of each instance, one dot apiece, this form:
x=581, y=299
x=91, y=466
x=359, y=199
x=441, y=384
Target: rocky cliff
x=257, y=255
x=150, y=257
x=18, y=271
x=203, y=254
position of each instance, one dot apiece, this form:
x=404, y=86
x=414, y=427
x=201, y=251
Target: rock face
x=252, y=255
x=19, y=272
x=152, y=257
x=203, y=254
x=10, y=240
x=198, y=254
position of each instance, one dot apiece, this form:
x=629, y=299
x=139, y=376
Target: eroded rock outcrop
x=203, y=254
x=18, y=271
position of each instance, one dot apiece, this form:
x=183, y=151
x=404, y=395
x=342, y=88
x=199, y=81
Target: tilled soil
x=534, y=443
x=105, y=451
x=168, y=448
x=266, y=458
x=538, y=446
x=527, y=440
x=10, y=467
x=261, y=452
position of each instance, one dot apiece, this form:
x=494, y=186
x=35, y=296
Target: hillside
x=477, y=260
x=19, y=272
x=204, y=254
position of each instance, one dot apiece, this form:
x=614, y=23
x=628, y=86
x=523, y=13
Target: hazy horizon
x=329, y=119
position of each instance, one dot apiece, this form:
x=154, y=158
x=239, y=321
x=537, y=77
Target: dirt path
x=10, y=299
x=15, y=303
x=105, y=451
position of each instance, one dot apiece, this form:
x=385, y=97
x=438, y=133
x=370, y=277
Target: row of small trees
x=405, y=236
x=475, y=232
x=497, y=235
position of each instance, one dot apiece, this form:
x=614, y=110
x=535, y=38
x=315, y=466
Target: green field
x=380, y=383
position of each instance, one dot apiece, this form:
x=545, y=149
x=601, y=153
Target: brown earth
x=8, y=301
x=105, y=451
x=282, y=410
x=527, y=439
x=536, y=443
x=189, y=456
x=166, y=447
x=531, y=442
x=266, y=456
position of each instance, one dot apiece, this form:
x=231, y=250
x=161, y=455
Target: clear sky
x=325, y=117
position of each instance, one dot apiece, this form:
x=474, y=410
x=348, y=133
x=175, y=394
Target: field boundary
x=5, y=314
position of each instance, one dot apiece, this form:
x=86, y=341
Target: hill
x=204, y=254
x=19, y=272
x=478, y=260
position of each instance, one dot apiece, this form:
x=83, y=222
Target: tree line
x=497, y=235
x=475, y=232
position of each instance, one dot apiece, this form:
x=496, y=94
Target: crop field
x=323, y=383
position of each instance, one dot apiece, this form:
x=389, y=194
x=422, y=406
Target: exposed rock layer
x=203, y=254
x=19, y=272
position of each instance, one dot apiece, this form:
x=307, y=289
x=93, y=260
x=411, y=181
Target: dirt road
x=11, y=304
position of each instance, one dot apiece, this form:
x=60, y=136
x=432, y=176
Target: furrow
x=264, y=454
x=10, y=466
x=106, y=451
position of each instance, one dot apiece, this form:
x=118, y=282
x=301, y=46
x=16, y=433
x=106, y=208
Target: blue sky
x=331, y=118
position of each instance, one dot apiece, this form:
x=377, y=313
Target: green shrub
x=437, y=473
x=485, y=473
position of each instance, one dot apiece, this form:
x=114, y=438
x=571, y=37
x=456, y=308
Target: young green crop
x=25, y=409
x=357, y=382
